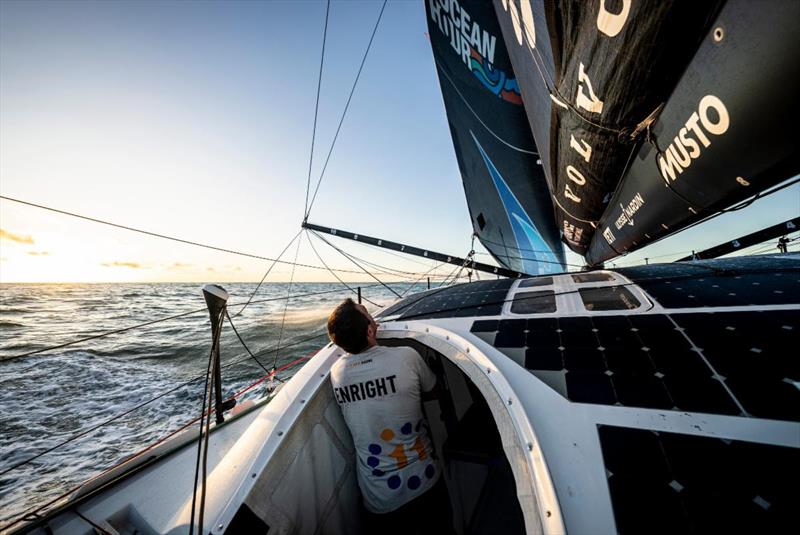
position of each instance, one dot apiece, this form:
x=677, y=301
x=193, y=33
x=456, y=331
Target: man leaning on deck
x=379, y=390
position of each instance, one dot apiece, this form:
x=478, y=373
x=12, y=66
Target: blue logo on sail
x=535, y=255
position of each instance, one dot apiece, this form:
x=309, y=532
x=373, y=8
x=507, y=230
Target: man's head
x=351, y=327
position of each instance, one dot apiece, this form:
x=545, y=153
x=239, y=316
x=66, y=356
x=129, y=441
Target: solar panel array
x=673, y=483
x=724, y=282
x=482, y=298
x=722, y=363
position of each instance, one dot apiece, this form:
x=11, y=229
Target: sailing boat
x=652, y=398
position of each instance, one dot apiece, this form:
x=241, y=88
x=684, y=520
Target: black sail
x=727, y=132
x=593, y=74
x=504, y=182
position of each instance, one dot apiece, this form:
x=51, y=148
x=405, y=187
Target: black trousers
x=430, y=513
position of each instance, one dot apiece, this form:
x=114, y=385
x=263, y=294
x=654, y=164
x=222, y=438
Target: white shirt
x=379, y=392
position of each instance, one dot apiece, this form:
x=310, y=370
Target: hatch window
x=537, y=281
x=608, y=298
x=595, y=276
x=534, y=302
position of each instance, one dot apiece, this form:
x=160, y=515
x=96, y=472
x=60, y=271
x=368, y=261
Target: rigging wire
x=395, y=312
x=316, y=105
x=162, y=236
x=522, y=249
x=344, y=113
x=148, y=323
x=32, y=515
x=286, y=306
x=356, y=263
x=438, y=265
x=265, y=275
x=102, y=335
x=116, y=417
x=337, y=276
x=384, y=269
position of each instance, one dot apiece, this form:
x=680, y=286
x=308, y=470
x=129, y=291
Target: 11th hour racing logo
x=475, y=46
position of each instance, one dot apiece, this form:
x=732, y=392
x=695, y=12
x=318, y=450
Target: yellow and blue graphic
x=400, y=457
x=534, y=254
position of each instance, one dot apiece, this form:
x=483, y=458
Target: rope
x=337, y=276
x=206, y=394
x=97, y=528
x=341, y=119
x=242, y=341
x=162, y=236
x=356, y=263
x=316, y=105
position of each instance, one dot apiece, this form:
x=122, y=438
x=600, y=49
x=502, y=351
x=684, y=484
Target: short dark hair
x=347, y=327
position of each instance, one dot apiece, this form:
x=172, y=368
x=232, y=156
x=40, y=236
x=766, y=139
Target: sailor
x=380, y=391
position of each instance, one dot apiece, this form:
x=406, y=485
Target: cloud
x=5, y=235
x=179, y=265
x=132, y=265
x=38, y=253
x=210, y=269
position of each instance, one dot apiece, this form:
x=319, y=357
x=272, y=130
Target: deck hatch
x=535, y=282
x=540, y=302
x=608, y=298
x=597, y=276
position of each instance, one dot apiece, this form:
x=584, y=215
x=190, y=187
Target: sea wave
x=49, y=397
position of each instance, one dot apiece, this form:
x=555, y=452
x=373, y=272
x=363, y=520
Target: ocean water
x=47, y=398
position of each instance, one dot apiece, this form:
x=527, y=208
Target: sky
x=194, y=119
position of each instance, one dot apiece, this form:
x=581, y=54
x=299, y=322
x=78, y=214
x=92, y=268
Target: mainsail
x=505, y=185
x=647, y=116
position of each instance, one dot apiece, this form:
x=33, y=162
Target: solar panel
x=734, y=363
x=722, y=282
x=482, y=298
x=675, y=483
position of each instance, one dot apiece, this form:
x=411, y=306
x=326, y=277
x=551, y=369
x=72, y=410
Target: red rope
x=272, y=373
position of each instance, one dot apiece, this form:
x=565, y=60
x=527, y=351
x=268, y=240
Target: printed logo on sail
x=475, y=46
x=626, y=217
x=608, y=235
x=713, y=116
